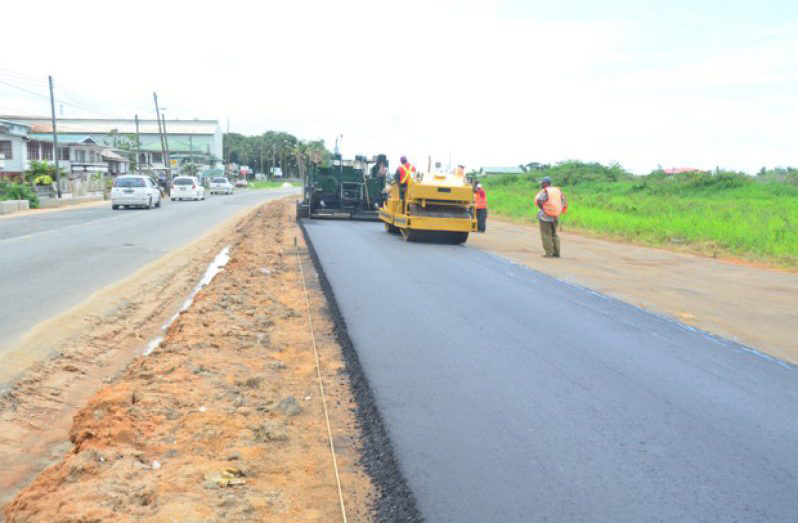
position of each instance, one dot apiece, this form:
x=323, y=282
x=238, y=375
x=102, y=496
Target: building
x=195, y=141
x=13, y=136
x=491, y=170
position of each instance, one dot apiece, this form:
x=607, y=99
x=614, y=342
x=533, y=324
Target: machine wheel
x=391, y=229
x=458, y=237
x=302, y=210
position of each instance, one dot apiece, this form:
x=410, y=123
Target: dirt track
x=223, y=421
x=754, y=306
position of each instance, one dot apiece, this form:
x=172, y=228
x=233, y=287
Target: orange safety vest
x=480, y=199
x=553, y=205
x=407, y=171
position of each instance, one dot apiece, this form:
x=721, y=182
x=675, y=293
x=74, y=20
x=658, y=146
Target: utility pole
x=227, y=156
x=261, y=154
x=272, y=170
x=191, y=154
x=160, y=132
x=138, y=146
x=55, y=139
x=166, y=141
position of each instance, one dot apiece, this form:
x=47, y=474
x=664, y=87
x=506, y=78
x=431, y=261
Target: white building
x=199, y=141
x=13, y=136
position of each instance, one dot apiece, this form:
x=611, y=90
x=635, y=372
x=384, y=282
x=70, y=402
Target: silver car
x=221, y=186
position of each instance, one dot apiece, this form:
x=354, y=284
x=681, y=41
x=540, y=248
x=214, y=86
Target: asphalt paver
x=512, y=396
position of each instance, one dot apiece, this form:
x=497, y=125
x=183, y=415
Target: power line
x=60, y=101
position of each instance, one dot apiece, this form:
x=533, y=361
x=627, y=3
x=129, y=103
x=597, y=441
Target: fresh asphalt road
x=52, y=261
x=511, y=396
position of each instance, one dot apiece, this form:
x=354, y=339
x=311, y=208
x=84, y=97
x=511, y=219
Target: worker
x=460, y=171
x=481, y=205
x=551, y=203
x=403, y=176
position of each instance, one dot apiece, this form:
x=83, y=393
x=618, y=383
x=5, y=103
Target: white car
x=221, y=186
x=187, y=188
x=138, y=191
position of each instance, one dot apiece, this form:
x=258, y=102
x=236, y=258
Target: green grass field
x=725, y=213
x=273, y=184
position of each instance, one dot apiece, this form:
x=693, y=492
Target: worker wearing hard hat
x=403, y=175
x=551, y=203
x=481, y=206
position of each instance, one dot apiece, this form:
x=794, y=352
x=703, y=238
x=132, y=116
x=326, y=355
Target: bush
x=19, y=191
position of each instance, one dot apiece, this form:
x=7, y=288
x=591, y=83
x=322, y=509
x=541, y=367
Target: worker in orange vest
x=551, y=203
x=403, y=175
x=481, y=205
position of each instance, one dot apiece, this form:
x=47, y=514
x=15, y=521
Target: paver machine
x=437, y=207
x=353, y=189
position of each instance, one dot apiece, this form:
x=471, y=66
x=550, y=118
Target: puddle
x=214, y=268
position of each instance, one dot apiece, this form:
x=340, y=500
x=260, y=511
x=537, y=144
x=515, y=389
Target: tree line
x=275, y=149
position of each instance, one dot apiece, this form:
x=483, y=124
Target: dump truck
x=437, y=207
x=353, y=189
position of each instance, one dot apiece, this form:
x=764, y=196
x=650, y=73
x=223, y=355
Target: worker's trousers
x=482, y=218
x=550, y=238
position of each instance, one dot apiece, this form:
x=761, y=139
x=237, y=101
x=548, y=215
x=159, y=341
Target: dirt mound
x=222, y=421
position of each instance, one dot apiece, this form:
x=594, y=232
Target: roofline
x=11, y=118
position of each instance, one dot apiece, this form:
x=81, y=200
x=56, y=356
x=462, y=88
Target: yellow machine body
x=437, y=207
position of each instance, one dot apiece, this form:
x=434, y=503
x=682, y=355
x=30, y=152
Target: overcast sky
x=662, y=82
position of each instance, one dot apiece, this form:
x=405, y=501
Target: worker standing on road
x=403, y=176
x=552, y=203
x=481, y=205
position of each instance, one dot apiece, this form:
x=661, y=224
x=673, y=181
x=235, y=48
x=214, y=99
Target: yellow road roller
x=437, y=207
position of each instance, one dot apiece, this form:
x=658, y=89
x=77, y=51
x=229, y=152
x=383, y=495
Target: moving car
x=187, y=188
x=134, y=190
x=221, y=186
x=241, y=182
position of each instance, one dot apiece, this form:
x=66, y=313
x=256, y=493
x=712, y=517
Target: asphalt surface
x=511, y=396
x=52, y=261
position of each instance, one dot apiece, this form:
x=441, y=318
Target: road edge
x=396, y=501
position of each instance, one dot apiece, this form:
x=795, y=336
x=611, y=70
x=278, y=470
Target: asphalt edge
x=396, y=501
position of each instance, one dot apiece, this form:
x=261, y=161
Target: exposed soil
x=753, y=306
x=55, y=368
x=223, y=420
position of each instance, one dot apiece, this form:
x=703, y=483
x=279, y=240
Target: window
x=142, y=158
x=157, y=157
x=130, y=182
x=47, y=151
x=80, y=156
x=92, y=157
x=5, y=149
x=184, y=181
x=64, y=153
x=33, y=150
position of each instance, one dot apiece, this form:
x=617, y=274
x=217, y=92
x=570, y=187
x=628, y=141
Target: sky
x=484, y=83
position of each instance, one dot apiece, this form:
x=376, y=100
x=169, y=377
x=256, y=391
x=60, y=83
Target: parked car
x=221, y=186
x=138, y=191
x=187, y=188
x=241, y=182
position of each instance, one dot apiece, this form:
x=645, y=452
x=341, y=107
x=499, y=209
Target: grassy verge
x=272, y=184
x=725, y=213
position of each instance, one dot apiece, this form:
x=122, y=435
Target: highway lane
x=52, y=261
x=511, y=396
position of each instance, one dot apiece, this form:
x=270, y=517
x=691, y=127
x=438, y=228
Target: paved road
x=511, y=396
x=52, y=261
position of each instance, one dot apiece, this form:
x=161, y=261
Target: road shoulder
x=753, y=306
x=224, y=419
